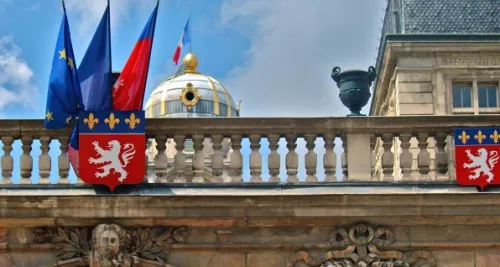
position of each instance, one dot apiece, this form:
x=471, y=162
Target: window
x=487, y=96
x=156, y=110
x=462, y=96
x=475, y=96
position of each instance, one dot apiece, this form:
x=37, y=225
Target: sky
x=274, y=55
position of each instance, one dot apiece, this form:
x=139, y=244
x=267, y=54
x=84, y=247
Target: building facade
x=396, y=202
x=437, y=58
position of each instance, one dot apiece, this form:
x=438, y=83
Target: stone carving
x=111, y=245
x=361, y=245
x=478, y=60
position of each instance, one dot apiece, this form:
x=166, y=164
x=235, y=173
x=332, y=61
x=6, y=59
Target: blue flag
x=95, y=73
x=64, y=99
x=95, y=69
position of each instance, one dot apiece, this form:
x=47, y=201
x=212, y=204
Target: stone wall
x=415, y=245
x=283, y=226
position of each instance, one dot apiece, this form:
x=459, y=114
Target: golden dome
x=191, y=62
x=190, y=93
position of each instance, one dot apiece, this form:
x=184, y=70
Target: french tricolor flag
x=185, y=39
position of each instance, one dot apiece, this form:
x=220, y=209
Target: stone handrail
x=414, y=148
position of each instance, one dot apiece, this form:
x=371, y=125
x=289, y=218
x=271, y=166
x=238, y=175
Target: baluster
x=387, y=157
x=343, y=158
x=330, y=158
x=179, y=159
x=424, y=157
x=255, y=159
x=146, y=159
x=273, y=161
x=441, y=157
x=292, y=159
x=161, y=161
x=63, y=160
x=236, y=159
x=311, y=158
x=405, y=158
x=373, y=140
x=217, y=157
x=26, y=160
x=199, y=159
x=44, y=162
x=7, y=160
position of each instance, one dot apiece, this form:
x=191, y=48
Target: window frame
x=462, y=85
x=476, y=82
x=483, y=84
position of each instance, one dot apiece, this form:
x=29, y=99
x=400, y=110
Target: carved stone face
x=109, y=243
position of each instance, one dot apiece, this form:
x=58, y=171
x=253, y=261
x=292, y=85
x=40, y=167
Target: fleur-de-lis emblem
x=464, y=137
x=132, y=121
x=495, y=136
x=112, y=121
x=480, y=136
x=91, y=121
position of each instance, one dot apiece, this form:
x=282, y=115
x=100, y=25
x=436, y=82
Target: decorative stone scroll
x=111, y=245
x=362, y=245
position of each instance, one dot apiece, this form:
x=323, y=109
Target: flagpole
x=110, y=61
x=190, y=32
x=64, y=7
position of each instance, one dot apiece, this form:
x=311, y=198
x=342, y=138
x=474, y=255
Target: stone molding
x=111, y=245
x=478, y=60
x=362, y=245
x=263, y=126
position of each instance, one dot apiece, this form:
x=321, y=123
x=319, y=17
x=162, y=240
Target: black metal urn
x=354, y=87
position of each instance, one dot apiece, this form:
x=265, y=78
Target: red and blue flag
x=128, y=90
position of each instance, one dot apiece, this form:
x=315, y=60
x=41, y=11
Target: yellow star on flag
x=68, y=120
x=48, y=115
x=62, y=53
x=70, y=63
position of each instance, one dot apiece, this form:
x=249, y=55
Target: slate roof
x=450, y=16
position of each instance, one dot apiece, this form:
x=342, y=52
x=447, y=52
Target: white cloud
x=294, y=46
x=89, y=12
x=16, y=77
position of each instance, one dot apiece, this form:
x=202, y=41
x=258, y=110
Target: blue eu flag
x=64, y=98
x=95, y=73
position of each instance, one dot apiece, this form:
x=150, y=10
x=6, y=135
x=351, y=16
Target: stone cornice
x=279, y=206
x=259, y=126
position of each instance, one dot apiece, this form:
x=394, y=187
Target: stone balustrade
x=333, y=149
